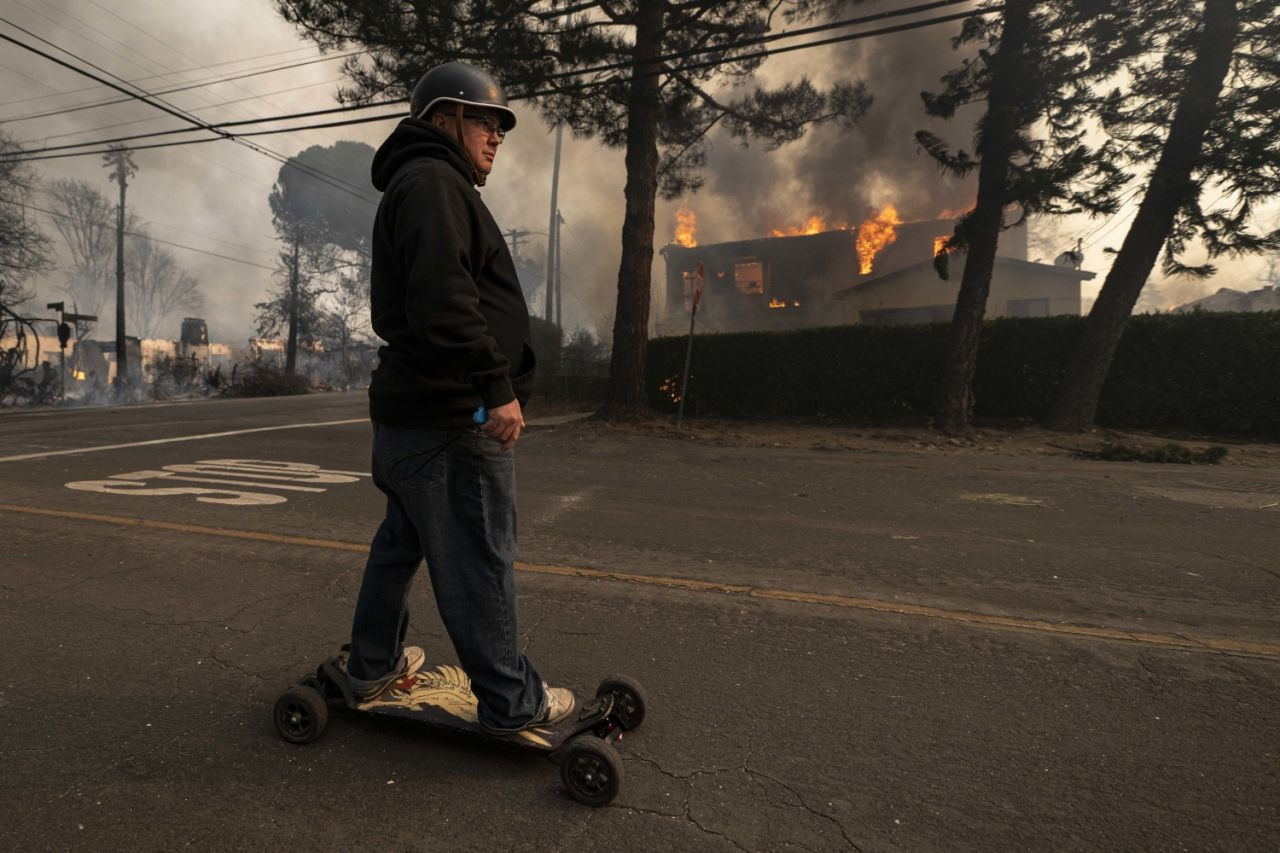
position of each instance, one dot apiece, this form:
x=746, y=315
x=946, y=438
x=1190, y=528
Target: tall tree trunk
x=626, y=397
x=291, y=347
x=996, y=144
x=1170, y=188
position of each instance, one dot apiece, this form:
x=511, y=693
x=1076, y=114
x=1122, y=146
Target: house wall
x=919, y=296
x=796, y=275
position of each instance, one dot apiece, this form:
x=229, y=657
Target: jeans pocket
x=417, y=459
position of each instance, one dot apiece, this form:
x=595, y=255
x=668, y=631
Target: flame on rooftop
x=686, y=227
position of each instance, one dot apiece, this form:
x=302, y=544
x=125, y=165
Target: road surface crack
x=805, y=805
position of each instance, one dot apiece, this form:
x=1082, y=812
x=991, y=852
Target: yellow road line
x=1183, y=642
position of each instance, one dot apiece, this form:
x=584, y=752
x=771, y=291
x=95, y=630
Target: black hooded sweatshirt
x=444, y=291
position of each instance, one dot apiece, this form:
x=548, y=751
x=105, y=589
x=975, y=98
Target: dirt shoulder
x=1001, y=441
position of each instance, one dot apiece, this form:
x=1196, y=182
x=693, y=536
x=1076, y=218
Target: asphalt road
x=880, y=650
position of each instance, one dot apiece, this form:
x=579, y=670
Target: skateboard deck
x=441, y=696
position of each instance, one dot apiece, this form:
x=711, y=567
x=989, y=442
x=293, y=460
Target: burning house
x=880, y=271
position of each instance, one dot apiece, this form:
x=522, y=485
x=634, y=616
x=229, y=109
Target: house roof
x=1007, y=263
x=1229, y=299
x=754, y=243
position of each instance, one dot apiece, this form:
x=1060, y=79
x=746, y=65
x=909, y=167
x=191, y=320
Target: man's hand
x=504, y=424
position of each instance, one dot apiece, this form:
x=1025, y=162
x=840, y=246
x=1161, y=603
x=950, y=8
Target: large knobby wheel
x=591, y=771
x=629, y=700
x=301, y=714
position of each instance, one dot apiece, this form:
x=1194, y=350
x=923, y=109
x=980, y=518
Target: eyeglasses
x=490, y=124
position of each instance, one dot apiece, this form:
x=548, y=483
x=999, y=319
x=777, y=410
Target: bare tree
x=24, y=248
x=158, y=287
x=345, y=321
x=82, y=216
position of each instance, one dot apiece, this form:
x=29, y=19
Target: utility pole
x=121, y=160
x=291, y=347
x=553, y=239
x=559, y=316
x=516, y=236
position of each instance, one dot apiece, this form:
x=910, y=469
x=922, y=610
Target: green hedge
x=545, y=338
x=1205, y=371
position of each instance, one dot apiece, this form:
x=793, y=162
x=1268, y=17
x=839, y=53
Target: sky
x=213, y=197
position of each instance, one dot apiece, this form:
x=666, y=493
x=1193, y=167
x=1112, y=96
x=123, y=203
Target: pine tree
x=1033, y=69
x=320, y=209
x=1204, y=107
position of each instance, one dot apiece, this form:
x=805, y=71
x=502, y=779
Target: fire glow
x=813, y=225
x=874, y=234
x=878, y=231
x=686, y=227
x=939, y=243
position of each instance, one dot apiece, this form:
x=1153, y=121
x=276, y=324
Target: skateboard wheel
x=591, y=771
x=629, y=700
x=301, y=714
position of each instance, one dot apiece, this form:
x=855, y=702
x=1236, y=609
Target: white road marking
x=219, y=472
x=232, y=497
x=255, y=483
x=46, y=454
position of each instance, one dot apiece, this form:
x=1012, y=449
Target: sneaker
x=560, y=704
x=411, y=660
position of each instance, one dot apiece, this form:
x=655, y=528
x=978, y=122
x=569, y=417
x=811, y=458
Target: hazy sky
x=214, y=196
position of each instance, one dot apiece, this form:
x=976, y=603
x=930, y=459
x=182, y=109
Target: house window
x=748, y=276
x=689, y=283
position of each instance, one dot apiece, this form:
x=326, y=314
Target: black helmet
x=460, y=83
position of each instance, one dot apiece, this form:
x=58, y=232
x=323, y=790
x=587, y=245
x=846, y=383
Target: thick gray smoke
x=843, y=175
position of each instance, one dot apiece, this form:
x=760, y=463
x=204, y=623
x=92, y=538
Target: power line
x=169, y=47
x=152, y=224
x=149, y=77
x=218, y=126
x=158, y=240
x=772, y=37
x=146, y=98
x=264, y=95
x=200, y=84
x=203, y=140
x=561, y=89
x=911, y=10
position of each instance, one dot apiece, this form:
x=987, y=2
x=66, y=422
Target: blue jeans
x=451, y=500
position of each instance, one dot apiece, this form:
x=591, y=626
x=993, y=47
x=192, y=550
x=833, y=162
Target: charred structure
x=831, y=278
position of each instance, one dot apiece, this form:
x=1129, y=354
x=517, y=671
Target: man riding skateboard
x=446, y=299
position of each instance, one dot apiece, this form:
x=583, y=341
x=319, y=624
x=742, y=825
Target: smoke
x=843, y=174
x=846, y=175
x=211, y=197
x=214, y=197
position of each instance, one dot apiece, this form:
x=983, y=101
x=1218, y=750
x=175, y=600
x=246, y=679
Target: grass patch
x=1166, y=453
